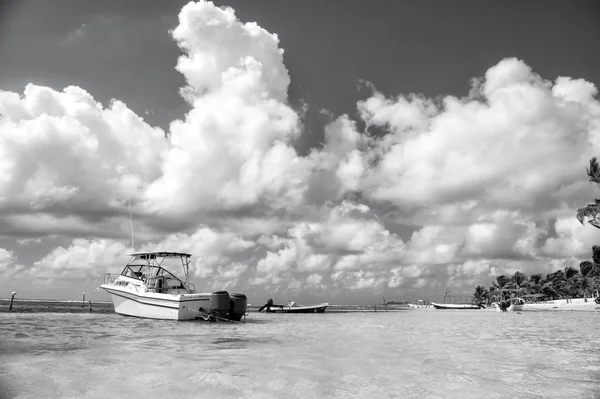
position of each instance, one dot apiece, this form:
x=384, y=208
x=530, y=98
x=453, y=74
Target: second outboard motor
x=219, y=304
x=267, y=304
x=239, y=303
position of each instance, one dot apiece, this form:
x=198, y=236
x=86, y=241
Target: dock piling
x=12, y=297
x=83, y=300
x=90, y=302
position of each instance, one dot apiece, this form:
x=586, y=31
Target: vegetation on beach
x=567, y=283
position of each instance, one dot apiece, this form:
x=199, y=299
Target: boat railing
x=110, y=278
x=190, y=287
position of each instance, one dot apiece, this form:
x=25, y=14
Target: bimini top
x=161, y=254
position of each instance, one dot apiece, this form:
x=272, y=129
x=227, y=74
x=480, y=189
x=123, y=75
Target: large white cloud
x=233, y=149
x=516, y=143
x=64, y=157
x=487, y=184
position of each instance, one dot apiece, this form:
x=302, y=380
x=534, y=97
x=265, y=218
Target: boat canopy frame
x=155, y=259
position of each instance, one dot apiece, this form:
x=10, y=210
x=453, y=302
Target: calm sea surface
x=399, y=354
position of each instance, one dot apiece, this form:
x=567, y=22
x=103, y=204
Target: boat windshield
x=148, y=274
x=148, y=267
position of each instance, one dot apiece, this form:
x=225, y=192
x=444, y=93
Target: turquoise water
x=400, y=354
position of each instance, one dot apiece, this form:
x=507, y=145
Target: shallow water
x=400, y=354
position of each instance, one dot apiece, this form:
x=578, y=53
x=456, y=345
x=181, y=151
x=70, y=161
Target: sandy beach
x=575, y=304
x=578, y=304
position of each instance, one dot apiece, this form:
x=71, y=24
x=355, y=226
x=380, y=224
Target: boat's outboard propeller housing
x=267, y=304
x=228, y=307
x=219, y=304
x=238, y=305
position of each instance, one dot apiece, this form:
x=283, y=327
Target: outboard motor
x=219, y=304
x=239, y=303
x=268, y=303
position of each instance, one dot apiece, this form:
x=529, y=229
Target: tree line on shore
x=568, y=283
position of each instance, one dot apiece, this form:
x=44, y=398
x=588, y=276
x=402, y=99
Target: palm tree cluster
x=567, y=283
x=591, y=212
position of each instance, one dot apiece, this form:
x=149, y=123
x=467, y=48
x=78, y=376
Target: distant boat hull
x=320, y=308
x=454, y=306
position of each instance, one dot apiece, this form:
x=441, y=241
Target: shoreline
x=575, y=304
x=558, y=305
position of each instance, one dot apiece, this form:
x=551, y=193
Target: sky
x=339, y=151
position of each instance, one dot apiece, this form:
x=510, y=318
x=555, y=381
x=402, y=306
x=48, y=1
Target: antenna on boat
x=131, y=225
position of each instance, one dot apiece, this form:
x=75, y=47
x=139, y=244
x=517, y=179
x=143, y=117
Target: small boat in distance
x=461, y=306
x=510, y=305
x=292, y=307
x=145, y=288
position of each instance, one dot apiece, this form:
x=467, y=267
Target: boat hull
x=454, y=306
x=512, y=308
x=298, y=309
x=130, y=302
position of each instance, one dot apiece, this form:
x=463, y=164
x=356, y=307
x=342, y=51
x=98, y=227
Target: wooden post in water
x=90, y=302
x=12, y=297
x=83, y=300
x=385, y=304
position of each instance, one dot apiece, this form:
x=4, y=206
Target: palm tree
x=586, y=267
x=549, y=290
x=501, y=281
x=556, y=277
x=536, y=278
x=585, y=284
x=590, y=212
x=571, y=272
x=596, y=260
x=518, y=278
x=498, y=285
x=480, y=295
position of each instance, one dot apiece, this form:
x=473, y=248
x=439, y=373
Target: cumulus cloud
x=66, y=160
x=8, y=262
x=83, y=259
x=513, y=144
x=477, y=186
x=233, y=149
x=352, y=238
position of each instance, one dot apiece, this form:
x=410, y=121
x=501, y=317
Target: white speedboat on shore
x=510, y=305
x=146, y=289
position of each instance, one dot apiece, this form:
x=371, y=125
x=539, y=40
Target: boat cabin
x=148, y=269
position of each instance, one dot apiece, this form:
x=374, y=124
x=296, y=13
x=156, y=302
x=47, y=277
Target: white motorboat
x=510, y=305
x=145, y=288
x=293, y=307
